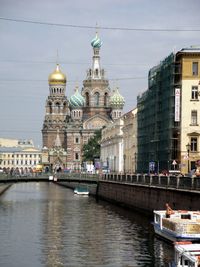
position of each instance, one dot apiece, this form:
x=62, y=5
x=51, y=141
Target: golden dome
x=57, y=77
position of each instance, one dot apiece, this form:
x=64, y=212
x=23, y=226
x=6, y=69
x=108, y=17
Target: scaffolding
x=158, y=139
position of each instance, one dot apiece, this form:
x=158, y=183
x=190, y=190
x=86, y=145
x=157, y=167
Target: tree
x=91, y=150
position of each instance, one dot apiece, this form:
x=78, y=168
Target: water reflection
x=47, y=225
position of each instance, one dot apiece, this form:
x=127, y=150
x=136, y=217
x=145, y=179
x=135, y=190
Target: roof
x=18, y=150
x=191, y=49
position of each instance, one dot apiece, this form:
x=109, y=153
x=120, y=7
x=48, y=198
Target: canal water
x=43, y=224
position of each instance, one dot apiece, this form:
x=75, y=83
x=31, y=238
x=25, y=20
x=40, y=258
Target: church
x=69, y=123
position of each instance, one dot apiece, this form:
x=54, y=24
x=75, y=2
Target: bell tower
x=57, y=110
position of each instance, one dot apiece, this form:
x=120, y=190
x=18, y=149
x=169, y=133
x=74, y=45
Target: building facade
x=130, y=141
x=168, y=114
x=23, y=157
x=112, y=146
x=76, y=119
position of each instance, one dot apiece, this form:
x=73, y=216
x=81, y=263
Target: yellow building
x=21, y=155
x=189, y=60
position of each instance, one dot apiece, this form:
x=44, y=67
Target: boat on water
x=187, y=254
x=81, y=190
x=177, y=225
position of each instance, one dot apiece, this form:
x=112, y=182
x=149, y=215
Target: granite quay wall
x=148, y=193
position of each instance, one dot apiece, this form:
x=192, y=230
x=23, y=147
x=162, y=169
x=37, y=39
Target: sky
x=28, y=51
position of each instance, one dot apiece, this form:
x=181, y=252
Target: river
x=43, y=224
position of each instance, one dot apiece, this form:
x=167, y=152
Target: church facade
x=69, y=123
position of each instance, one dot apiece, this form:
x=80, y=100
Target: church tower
x=56, y=110
x=96, y=92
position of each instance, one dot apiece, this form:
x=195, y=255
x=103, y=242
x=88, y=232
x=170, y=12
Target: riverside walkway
x=160, y=181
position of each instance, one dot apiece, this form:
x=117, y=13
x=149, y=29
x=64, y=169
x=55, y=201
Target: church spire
x=96, y=72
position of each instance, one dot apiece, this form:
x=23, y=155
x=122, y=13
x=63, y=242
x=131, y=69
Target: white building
x=112, y=146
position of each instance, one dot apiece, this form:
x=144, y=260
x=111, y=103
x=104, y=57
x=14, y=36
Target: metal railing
x=161, y=181
x=45, y=177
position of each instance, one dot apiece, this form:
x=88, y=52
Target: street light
x=107, y=163
x=124, y=163
x=135, y=161
x=188, y=153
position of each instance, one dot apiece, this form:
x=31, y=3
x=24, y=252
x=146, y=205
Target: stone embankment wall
x=148, y=198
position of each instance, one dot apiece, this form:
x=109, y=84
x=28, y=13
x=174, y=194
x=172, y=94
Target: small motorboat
x=81, y=190
x=187, y=254
x=177, y=225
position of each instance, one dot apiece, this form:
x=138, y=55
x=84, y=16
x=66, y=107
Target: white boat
x=81, y=190
x=180, y=225
x=186, y=254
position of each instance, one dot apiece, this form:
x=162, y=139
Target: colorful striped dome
x=117, y=100
x=96, y=42
x=76, y=100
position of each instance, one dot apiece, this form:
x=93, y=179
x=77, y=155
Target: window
x=193, y=144
x=194, y=95
x=96, y=99
x=195, y=68
x=194, y=117
x=87, y=99
x=105, y=99
x=77, y=140
x=76, y=156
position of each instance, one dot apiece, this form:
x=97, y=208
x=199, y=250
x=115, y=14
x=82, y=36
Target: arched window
x=87, y=99
x=96, y=99
x=64, y=107
x=58, y=107
x=106, y=99
x=50, y=107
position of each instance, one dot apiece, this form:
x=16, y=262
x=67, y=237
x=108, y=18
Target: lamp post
x=124, y=164
x=107, y=163
x=188, y=153
x=135, y=161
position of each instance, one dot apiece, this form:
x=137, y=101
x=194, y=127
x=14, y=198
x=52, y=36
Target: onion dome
x=117, y=100
x=57, y=77
x=76, y=100
x=96, y=42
